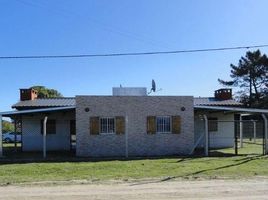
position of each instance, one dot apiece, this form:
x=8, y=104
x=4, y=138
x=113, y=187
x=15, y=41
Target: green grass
x=249, y=163
x=11, y=145
x=249, y=148
x=214, y=167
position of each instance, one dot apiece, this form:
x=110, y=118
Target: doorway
x=73, y=135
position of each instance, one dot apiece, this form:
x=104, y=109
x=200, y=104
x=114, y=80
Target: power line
x=132, y=53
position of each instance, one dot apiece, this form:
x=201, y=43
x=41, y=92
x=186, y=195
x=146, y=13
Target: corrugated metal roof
x=234, y=109
x=47, y=102
x=20, y=112
x=211, y=101
x=70, y=101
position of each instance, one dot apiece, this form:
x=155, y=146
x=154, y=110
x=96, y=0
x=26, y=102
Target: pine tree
x=251, y=76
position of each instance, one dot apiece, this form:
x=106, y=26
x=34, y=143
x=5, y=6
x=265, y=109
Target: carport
x=45, y=113
x=236, y=110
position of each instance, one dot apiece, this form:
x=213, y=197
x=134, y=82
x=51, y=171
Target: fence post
x=254, y=131
x=235, y=137
x=206, y=135
x=241, y=131
x=265, y=134
x=44, y=137
x=15, y=130
x=126, y=137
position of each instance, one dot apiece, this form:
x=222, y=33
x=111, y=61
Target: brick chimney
x=28, y=94
x=223, y=94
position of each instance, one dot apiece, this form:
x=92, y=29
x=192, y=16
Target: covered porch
x=231, y=124
x=42, y=130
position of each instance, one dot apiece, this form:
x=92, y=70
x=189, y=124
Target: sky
x=63, y=27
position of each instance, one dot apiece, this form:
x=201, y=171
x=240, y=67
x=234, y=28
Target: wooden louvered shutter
x=94, y=125
x=151, y=124
x=176, y=124
x=120, y=125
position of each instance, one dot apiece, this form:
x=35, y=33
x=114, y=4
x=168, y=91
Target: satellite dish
x=153, y=89
x=153, y=86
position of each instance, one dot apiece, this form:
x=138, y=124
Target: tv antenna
x=153, y=89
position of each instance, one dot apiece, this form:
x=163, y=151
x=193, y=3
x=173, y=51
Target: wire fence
x=237, y=138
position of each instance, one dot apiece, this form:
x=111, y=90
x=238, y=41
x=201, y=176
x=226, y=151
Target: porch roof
x=45, y=103
x=43, y=110
x=233, y=109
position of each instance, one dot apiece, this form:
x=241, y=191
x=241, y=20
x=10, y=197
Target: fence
x=236, y=137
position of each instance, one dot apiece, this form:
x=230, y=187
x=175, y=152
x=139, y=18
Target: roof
x=234, y=109
x=70, y=101
x=46, y=102
x=45, y=110
x=58, y=104
x=211, y=101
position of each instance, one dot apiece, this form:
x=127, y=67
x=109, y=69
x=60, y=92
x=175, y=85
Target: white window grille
x=107, y=125
x=163, y=124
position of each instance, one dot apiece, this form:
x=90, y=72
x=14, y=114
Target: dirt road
x=205, y=189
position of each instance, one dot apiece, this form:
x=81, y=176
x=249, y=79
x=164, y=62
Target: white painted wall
x=32, y=139
x=222, y=138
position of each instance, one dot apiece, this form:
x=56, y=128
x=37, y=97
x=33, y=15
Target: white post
x=265, y=133
x=1, y=137
x=15, y=129
x=206, y=135
x=44, y=137
x=126, y=136
x=254, y=131
x=241, y=131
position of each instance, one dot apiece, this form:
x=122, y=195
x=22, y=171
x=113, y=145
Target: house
x=127, y=123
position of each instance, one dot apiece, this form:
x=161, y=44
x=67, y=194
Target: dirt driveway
x=205, y=189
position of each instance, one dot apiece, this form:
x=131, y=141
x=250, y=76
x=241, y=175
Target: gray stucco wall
x=223, y=137
x=32, y=139
x=136, y=109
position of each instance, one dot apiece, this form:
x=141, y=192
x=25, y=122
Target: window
x=107, y=125
x=212, y=124
x=163, y=125
x=51, y=126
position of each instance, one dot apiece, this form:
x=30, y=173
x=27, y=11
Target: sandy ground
x=205, y=189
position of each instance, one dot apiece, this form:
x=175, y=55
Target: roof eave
x=234, y=109
x=43, y=110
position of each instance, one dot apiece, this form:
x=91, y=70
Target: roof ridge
x=56, y=98
x=213, y=98
x=203, y=97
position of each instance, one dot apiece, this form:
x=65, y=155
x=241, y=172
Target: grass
x=249, y=148
x=242, y=166
x=213, y=167
x=11, y=145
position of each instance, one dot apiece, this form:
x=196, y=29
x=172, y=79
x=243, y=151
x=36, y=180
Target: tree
x=7, y=126
x=251, y=76
x=44, y=92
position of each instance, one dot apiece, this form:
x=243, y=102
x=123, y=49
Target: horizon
x=99, y=27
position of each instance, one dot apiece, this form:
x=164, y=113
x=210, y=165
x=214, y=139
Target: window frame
x=213, y=120
x=48, y=131
x=163, y=126
x=100, y=125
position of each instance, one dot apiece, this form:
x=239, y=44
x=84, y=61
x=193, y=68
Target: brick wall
x=136, y=109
